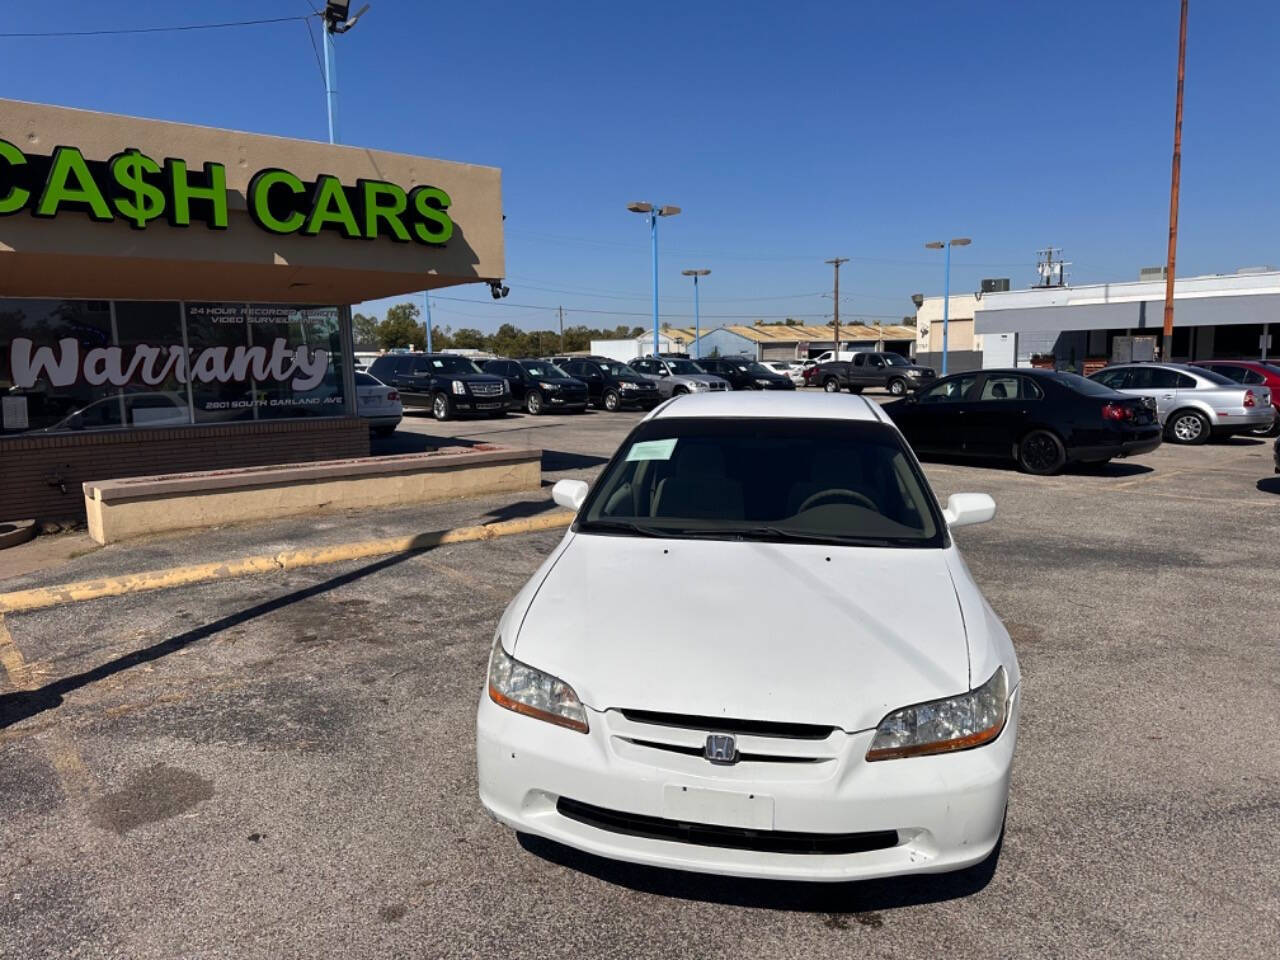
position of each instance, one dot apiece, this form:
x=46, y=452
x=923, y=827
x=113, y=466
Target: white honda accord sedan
x=757, y=652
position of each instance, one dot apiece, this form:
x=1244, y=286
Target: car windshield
x=445, y=364
x=893, y=360
x=758, y=370
x=774, y=479
x=1083, y=385
x=617, y=369
x=684, y=367
x=539, y=368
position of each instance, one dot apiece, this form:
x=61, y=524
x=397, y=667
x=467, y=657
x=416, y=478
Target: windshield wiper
x=628, y=526
x=801, y=536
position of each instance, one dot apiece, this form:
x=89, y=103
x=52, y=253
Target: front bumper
x=947, y=810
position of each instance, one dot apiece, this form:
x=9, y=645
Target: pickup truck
x=891, y=371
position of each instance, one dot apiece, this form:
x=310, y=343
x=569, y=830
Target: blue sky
x=788, y=133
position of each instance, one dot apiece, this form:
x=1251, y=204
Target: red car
x=1260, y=373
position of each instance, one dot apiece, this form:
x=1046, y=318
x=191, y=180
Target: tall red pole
x=1175, y=183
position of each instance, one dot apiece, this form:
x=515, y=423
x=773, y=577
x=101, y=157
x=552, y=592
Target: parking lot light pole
x=697, y=323
x=653, y=212
x=946, y=289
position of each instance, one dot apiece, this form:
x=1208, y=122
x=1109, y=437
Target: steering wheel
x=842, y=494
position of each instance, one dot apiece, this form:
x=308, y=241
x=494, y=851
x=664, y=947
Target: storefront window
x=69, y=366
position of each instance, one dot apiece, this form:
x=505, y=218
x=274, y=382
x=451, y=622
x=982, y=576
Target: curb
x=20, y=601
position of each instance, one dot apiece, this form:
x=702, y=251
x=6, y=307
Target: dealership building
x=176, y=298
x=1082, y=328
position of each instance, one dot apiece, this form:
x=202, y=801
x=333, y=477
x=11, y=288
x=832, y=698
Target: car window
x=1253, y=376
x=1229, y=371
x=859, y=359
x=1010, y=387
x=896, y=361
x=1154, y=378
x=365, y=380
x=952, y=390
x=876, y=361
x=1115, y=379
x=1214, y=377
x=775, y=479
x=683, y=367
x=537, y=368
x=1185, y=382
x=1079, y=384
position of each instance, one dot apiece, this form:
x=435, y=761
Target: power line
x=59, y=34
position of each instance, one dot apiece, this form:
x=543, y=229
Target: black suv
x=743, y=373
x=874, y=369
x=446, y=384
x=611, y=384
x=538, y=386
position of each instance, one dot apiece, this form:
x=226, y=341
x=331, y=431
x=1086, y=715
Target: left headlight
x=519, y=687
x=762, y=382
x=459, y=387
x=944, y=726
x=548, y=386
x=697, y=386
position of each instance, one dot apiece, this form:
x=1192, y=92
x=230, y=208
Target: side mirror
x=570, y=494
x=961, y=510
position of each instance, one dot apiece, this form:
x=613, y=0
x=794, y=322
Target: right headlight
x=944, y=726
x=697, y=386
x=524, y=689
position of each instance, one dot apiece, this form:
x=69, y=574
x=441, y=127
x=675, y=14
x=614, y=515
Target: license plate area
x=721, y=808
x=488, y=406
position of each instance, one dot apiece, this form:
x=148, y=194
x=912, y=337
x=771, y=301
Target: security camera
x=497, y=289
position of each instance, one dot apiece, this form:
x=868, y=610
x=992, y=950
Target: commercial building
x=964, y=347
x=176, y=298
x=797, y=342
x=1082, y=327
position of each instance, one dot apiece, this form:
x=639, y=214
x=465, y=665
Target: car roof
x=771, y=405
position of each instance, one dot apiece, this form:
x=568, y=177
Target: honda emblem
x=721, y=748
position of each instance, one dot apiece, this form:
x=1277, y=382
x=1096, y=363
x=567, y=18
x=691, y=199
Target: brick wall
x=40, y=475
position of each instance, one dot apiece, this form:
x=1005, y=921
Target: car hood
x=468, y=377
x=799, y=633
x=699, y=377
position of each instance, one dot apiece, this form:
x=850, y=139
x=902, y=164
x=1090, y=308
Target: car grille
x=733, y=838
x=758, y=728
x=719, y=386
x=484, y=389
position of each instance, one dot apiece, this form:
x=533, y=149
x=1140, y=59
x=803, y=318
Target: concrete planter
x=133, y=507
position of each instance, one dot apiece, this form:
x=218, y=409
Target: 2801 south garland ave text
x=134, y=187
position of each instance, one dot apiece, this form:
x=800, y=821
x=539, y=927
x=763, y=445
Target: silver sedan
x=1192, y=403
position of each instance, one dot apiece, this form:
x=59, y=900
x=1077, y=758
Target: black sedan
x=1041, y=419
x=539, y=386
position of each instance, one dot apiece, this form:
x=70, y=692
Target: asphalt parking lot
x=282, y=766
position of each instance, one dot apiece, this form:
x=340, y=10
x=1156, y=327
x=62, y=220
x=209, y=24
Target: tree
x=468, y=338
x=364, y=330
x=401, y=327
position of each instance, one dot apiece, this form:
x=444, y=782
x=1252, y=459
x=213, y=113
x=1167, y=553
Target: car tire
x=1270, y=431
x=533, y=403
x=442, y=407
x=898, y=387
x=1041, y=453
x=611, y=400
x=831, y=385
x=1189, y=427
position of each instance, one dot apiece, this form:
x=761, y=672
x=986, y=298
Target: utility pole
x=562, y=329
x=835, y=262
x=1174, y=185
